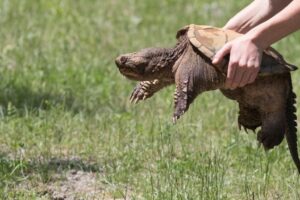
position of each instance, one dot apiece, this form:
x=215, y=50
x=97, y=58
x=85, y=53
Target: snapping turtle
x=268, y=102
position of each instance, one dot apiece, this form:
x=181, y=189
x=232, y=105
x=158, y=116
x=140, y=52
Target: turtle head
x=147, y=64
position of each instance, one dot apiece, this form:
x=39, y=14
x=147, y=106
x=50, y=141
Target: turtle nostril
x=123, y=59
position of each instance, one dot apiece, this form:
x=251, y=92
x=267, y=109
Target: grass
x=64, y=106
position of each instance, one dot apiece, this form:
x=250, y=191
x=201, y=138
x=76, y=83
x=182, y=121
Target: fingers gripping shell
x=209, y=40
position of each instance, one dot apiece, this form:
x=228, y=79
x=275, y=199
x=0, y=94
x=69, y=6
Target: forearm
x=244, y=62
x=254, y=14
x=283, y=23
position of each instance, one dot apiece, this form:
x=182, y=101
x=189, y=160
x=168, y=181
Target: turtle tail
x=291, y=132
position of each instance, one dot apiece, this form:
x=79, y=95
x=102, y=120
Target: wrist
x=257, y=37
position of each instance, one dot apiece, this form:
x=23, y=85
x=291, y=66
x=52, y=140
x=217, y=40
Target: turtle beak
x=121, y=61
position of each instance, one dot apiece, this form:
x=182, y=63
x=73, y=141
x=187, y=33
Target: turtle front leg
x=146, y=89
x=181, y=100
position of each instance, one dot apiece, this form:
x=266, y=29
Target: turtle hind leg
x=249, y=118
x=273, y=129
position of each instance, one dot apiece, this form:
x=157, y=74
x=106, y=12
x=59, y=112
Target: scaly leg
x=273, y=128
x=249, y=118
x=146, y=89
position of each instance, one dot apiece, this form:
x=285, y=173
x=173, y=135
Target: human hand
x=244, y=61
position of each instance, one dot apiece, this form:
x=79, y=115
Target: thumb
x=221, y=53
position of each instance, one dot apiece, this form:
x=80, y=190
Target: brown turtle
x=267, y=103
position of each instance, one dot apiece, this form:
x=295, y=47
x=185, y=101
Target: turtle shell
x=209, y=40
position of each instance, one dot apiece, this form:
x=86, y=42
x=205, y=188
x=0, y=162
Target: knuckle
x=242, y=64
x=253, y=68
x=250, y=66
x=256, y=64
x=234, y=62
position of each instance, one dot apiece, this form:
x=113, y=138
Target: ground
x=68, y=131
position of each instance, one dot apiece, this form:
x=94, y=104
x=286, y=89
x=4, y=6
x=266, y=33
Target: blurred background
x=68, y=131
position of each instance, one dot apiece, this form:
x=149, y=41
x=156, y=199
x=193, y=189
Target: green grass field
x=64, y=108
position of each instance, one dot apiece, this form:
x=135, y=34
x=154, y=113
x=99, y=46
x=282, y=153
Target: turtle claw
x=131, y=98
x=136, y=101
x=139, y=93
x=144, y=90
x=175, y=118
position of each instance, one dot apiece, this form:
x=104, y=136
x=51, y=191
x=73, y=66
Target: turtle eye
x=141, y=67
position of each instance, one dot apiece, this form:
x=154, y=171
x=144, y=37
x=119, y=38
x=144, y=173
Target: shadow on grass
x=59, y=164
x=16, y=169
x=55, y=178
x=23, y=99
